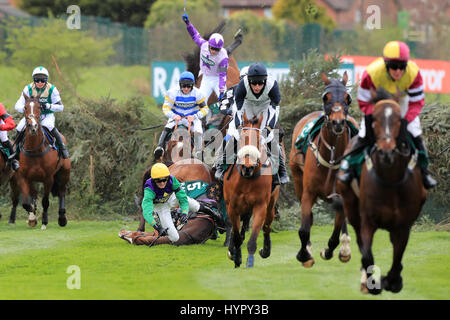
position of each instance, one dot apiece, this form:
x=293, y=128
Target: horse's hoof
x=12, y=224
x=324, y=254
x=62, y=221
x=366, y=290
x=43, y=227
x=394, y=287
x=229, y=255
x=308, y=264
x=264, y=254
x=344, y=259
x=32, y=223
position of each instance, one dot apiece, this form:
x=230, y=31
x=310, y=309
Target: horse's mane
x=191, y=59
x=381, y=94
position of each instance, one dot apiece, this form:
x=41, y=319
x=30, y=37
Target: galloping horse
x=40, y=162
x=184, y=170
x=391, y=194
x=315, y=174
x=247, y=188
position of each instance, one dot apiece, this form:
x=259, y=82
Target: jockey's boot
x=18, y=141
x=284, y=177
x=225, y=157
x=14, y=163
x=198, y=146
x=215, y=215
x=427, y=180
x=60, y=144
x=159, y=151
x=348, y=171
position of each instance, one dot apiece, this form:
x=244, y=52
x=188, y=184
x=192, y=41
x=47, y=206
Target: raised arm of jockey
x=198, y=39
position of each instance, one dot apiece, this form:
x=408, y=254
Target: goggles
x=257, y=82
x=394, y=65
x=43, y=80
x=161, y=180
x=214, y=49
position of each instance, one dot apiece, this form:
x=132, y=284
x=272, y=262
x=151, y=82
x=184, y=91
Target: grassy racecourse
x=34, y=263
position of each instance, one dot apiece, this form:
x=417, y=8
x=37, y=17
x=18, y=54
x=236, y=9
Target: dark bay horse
x=247, y=188
x=391, y=195
x=39, y=162
x=315, y=175
x=184, y=170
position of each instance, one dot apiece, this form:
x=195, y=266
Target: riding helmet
x=159, y=170
x=257, y=71
x=187, y=77
x=216, y=41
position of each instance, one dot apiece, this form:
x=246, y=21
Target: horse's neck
x=337, y=142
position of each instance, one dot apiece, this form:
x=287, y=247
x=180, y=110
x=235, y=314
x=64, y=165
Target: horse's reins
x=30, y=152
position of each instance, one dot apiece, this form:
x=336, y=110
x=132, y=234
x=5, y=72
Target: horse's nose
x=387, y=156
x=338, y=125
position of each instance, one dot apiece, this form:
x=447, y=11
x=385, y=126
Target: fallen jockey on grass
x=198, y=228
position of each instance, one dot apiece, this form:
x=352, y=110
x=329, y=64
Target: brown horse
x=39, y=162
x=247, y=188
x=183, y=170
x=179, y=147
x=391, y=195
x=315, y=174
x=6, y=176
x=198, y=229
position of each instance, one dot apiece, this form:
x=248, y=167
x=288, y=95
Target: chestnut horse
x=391, y=195
x=247, y=188
x=315, y=174
x=40, y=162
x=183, y=170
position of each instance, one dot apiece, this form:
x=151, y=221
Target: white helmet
x=40, y=70
x=244, y=72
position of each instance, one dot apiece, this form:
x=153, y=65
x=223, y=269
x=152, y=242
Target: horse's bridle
x=31, y=152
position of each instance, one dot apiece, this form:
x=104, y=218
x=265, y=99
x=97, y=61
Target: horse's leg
x=333, y=242
x=393, y=281
x=369, y=284
x=234, y=249
x=226, y=243
x=305, y=255
x=259, y=215
x=265, y=251
x=45, y=202
x=28, y=202
x=245, y=224
x=15, y=195
x=345, y=253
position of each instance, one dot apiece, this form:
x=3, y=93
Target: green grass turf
x=33, y=265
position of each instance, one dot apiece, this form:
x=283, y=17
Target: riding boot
x=284, y=177
x=348, y=172
x=236, y=43
x=159, y=151
x=215, y=215
x=227, y=157
x=60, y=144
x=18, y=141
x=427, y=180
x=14, y=163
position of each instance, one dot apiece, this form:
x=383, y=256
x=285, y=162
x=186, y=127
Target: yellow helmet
x=159, y=170
x=396, y=50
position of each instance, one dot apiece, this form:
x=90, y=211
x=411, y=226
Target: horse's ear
x=25, y=96
x=325, y=79
x=345, y=78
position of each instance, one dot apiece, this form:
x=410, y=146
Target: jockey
x=227, y=105
x=50, y=103
x=162, y=192
x=213, y=61
x=182, y=105
x=393, y=72
x=6, y=124
x=257, y=93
